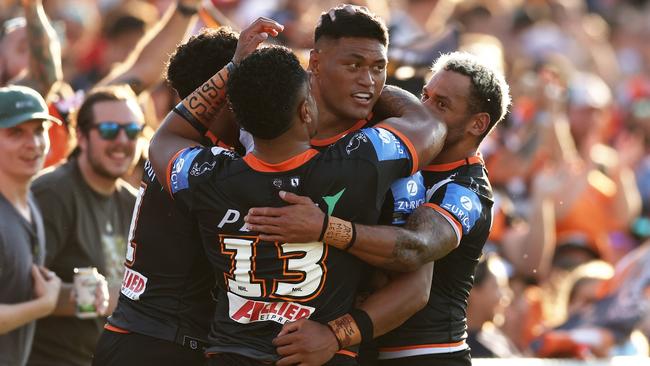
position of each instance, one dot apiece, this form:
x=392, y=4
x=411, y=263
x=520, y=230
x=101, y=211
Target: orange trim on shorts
x=115, y=329
x=449, y=166
x=261, y=166
x=433, y=345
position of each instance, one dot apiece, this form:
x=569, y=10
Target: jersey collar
x=476, y=159
x=261, y=166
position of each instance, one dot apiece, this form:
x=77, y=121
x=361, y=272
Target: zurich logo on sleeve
x=387, y=146
x=464, y=204
x=179, y=178
x=408, y=194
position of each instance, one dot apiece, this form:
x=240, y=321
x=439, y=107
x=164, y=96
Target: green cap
x=20, y=104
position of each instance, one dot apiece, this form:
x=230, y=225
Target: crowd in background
x=565, y=268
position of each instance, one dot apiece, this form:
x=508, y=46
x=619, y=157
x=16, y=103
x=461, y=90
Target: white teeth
x=362, y=95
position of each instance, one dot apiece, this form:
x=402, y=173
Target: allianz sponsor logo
x=133, y=284
x=247, y=311
x=463, y=216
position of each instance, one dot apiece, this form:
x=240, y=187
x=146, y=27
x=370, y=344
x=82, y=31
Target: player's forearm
x=404, y=295
x=13, y=316
x=385, y=309
x=45, y=60
x=186, y=126
x=408, y=116
x=145, y=65
x=425, y=237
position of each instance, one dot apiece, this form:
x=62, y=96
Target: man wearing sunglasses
x=87, y=210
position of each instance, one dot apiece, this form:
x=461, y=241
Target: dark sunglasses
x=110, y=130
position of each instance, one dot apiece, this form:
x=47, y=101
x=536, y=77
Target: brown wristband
x=345, y=330
x=339, y=233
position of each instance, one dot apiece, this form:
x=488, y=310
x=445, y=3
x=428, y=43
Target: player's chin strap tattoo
x=338, y=233
x=203, y=105
x=352, y=328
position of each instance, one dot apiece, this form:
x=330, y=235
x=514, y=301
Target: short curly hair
x=199, y=58
x=359, y=23
x=265, y=89
x=489, y=92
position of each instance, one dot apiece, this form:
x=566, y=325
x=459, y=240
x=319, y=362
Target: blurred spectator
x=87, y=210
x=486, y=303
x=28, y=291
x=30, y=53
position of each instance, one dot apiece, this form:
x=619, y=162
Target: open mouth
x=362, y=97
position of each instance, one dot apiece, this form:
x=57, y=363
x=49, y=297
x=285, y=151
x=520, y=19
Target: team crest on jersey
x=198, y=170
x=217, y=150
x=355, y=142
x=133, y=284
x=247, y=311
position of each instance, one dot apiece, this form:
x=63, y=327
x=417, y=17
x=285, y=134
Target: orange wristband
x=339, y=233
x=345, y=330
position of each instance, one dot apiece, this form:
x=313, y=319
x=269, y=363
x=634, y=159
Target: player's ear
x=314, y=61
x=479, y=124
x=303, y=110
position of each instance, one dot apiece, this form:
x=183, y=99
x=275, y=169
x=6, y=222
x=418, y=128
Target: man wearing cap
x=86, y=211
x=28, y=291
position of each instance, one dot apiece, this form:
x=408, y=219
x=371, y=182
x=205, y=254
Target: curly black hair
x=201, y=57
x=265, y=89
x=489, y=91
x=359, y=23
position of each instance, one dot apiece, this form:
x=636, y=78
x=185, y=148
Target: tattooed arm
x=426, y=237
x=45, y=60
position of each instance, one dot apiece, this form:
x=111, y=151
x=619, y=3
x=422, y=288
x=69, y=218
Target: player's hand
x=101, y=296
x=46, y=287
x=254, y=35
x=300, y=222
x=305, y=342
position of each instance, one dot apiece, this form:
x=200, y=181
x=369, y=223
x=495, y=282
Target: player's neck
x=330, y=124
x=282, y=148
x=450, y=154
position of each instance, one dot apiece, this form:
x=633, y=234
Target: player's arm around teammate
x=206, y=103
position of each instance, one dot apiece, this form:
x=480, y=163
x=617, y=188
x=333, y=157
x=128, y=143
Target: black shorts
x=460, y=358
x=133, y=349
x=232, y=359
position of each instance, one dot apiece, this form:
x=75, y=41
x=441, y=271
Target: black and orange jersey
x=166, y=290
x=462, y=194
x=267, y=284
x=404, y=195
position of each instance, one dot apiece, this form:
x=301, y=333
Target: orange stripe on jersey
x=449, y=166
x=433, y=345
x=458, y=228
x=212, y=137
x=330, y=140
x=345, y=352
x=115, y=329
x=261, y=166
x=408, y=143
x=168, y=172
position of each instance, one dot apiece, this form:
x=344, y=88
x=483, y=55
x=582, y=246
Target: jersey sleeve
x=459, y=205
x=389, y=149
x=191, y=167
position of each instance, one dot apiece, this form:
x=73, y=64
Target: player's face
x=112, y=157
x=446, y=95
x=350, y=73
x=22, y=148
